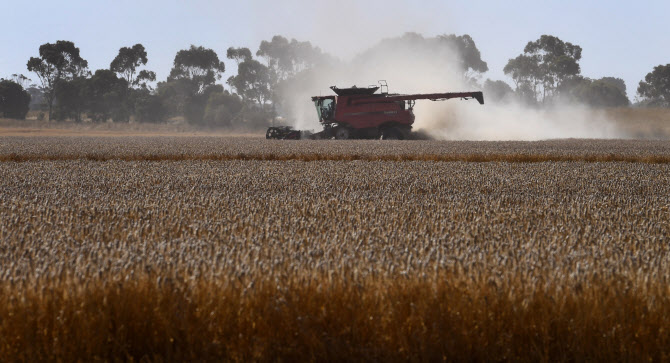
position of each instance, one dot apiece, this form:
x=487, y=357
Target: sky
x=623, y=39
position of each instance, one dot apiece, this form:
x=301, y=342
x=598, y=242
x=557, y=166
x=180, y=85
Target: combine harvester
x=361, y=113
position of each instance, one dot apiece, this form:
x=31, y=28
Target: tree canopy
x=469, y=56
x=619, y=83
x=604, y=92
x=199, y=65
x=286, y=58
x=222, y=107
x=497, y=91
x=253, y=81
x=459, y=50
x=127, y=62
x=57, y=61
x=239, y=55
x=544, y=65
x=71, y=98
x=655, y=89
x=20, y=79
x=14, y=100
x=107, y=96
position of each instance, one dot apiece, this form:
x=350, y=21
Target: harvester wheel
x=342, y=133
x=392, y=133
x=272, y=133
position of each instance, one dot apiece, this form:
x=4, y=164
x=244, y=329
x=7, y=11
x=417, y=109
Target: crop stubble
x=176, y=148
x=332, y=259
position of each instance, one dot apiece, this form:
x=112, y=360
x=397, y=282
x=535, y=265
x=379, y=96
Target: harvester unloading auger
x=361, y=113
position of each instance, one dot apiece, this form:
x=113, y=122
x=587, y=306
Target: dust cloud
x=513, y=121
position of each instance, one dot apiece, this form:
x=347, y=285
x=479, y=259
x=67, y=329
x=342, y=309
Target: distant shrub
x=222, y=108
x=150, y=108
x=14, y=100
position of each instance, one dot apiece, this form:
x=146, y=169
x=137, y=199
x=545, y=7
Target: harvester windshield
x=324, y=108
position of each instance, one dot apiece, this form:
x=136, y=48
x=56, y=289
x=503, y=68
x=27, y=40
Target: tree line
x=545, y=73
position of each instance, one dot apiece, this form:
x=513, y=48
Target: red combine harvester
x=361, y=113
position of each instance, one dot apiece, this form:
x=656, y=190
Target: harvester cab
x=362, y=113
x=325, y=108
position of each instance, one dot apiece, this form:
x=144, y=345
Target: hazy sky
x=625, y=39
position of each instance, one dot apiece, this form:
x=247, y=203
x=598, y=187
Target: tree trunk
x=50, y=100
x=50, y=108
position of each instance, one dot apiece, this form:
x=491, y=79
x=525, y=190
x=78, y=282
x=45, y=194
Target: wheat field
x=242, y=249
